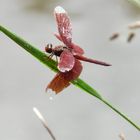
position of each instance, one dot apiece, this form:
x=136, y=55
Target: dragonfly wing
x=75, y=72
x=58, y=37
x=58, y=83
x=67, y=61
x=77, y=50
x=64, y=25
x=62, y=80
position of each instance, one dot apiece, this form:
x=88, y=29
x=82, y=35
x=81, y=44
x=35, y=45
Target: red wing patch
x=62, y=80
x=76, y=49
x=58, y=83
x=64, y=25
x=58, y=37
x=67, y=61
x=75, y=72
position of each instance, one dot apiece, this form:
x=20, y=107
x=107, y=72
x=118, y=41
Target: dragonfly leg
x=50, y=56
x=56, y=58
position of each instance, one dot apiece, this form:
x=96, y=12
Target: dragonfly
x=69, y=54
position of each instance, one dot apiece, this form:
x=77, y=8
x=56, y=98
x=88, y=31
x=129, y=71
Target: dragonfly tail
x=80, y=57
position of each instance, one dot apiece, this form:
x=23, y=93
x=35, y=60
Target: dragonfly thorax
x=56, y=50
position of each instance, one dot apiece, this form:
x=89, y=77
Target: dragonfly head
x=49, y=48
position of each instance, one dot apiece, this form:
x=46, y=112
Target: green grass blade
x=84, y=86
x=120, y=113
x=42, y=57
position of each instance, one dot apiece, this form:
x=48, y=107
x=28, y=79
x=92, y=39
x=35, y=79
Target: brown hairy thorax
x=57, y=50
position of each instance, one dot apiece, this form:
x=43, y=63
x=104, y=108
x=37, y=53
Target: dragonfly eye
x=49, y=48
x=49, y=45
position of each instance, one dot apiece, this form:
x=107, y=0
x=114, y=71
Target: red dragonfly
x=69, y=65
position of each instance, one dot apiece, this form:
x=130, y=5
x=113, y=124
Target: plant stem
x=120, y=113
x=81, y=84
x=43, y=121
x=41, y=56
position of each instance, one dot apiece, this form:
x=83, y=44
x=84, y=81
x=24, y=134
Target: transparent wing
x=67, y=61
x=64, y=25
